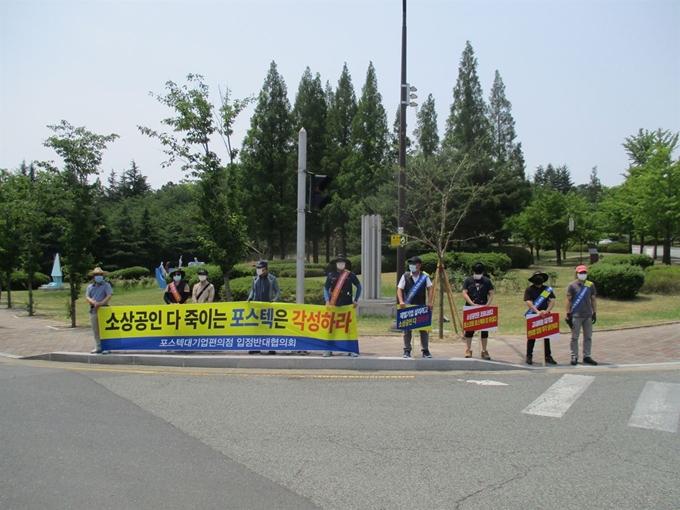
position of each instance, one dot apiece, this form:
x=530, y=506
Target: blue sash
x=540, y=299
x=581, y=296
x=416, y=287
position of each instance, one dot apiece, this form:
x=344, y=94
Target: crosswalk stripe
x=658, y=407
x=557, y=399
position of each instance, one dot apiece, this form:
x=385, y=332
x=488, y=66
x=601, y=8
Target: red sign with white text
x=480, y=318
x=547, y=326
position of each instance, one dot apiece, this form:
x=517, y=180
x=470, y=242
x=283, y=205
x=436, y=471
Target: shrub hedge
x=662, y=280
x=614, y=247
x=618, y=281
x=520, y=257
x=20, y=280
x=642, y=260
x=129, y=273
x=240, y=289
x=495, y=263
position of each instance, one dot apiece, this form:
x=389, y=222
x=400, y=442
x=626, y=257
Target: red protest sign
x=480, y=318
x=547, y=326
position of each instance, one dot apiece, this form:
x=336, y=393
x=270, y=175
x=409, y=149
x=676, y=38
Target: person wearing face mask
x=581, y=313
x=265, y=288
x=203, y=291
x=415, y=288
x=540, y=300
x=477, y=291
x=177, y=292
x=98, y=294
x=337, y=290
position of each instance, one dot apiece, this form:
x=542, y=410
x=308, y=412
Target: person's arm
x=194, y=294
x=357, y=284
x=400, y=291
x=488, y=301
x=593, y=302
x=430, y=293
x=277, y=290
x=168, y=298
x=186, y=293
x=211, y=293
x=567, y=317
x=551, y=304
x=467, y=299
x=326, y=293
x=252, y=291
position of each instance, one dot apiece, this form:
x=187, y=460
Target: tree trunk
x=227, y=288
x=667, y=246
x=642, y=243
x=630, y=241
x=30, y=295
x=72, y=288
x=558, y=250
x=531, y=251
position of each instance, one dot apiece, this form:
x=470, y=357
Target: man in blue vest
x=337, y=290
x=265, y=288
x=540, y=299
x=415, y=288
x=581, y=313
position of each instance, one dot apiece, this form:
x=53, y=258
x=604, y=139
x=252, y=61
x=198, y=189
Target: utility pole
x=301, y=218
x=401, y=194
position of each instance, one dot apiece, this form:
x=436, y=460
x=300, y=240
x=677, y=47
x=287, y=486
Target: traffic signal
x=317, y=200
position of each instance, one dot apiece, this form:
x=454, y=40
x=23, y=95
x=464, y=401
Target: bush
x=496, y=263
x=617, y=281
x=662, y=280
x=613, y=248
x=20, y=280
x=129, y=273
x=240, y=289
x=520, y=257
x=642, y=260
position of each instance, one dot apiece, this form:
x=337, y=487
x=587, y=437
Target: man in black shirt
x=477, y=291
x=540, y=300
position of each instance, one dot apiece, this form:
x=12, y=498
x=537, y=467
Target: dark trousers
x=532, y=343
x=470, y=334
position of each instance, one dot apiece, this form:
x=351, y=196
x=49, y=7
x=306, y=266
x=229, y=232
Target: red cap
x=581, y=269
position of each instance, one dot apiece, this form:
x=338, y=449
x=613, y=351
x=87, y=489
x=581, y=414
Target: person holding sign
x=477, y=291
x=265, y=289
x=540, y=300
x=581, y=313
x=98, y=294
x=337, y=290
x=203, y=291
x=415, y=288
x=177, y=292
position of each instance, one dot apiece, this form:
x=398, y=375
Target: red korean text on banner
x=539, y=327
x=480, y=318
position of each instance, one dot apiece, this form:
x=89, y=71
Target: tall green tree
x=267, y=170
x=82, y=152
x=219, y=220
x=555, y=178
x=10, y=229
x=427, y=131
x=367, y=166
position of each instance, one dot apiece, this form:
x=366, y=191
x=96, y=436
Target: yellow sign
x=398, y=240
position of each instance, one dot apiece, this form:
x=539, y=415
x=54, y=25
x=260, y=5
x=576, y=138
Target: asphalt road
x=121, y=437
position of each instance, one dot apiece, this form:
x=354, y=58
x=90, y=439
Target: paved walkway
x=22, y=336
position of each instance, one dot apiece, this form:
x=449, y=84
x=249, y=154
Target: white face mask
x=412, y=268
x=477, y=276
x=202, y=277
x=340, y=266
x=582, y=276
x=259, y=271
x=177, y=277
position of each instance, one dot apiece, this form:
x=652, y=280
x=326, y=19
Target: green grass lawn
x=643, y=310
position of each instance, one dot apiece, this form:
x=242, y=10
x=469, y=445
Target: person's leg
x=575, y=333
x=546, y=347
x=468, y=343
x=408, y=335
x=95, y=332
x=530, y=351
x=424, y=339
x=587, y=336
x=485, y=339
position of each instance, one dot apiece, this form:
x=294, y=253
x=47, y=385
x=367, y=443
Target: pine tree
x=267, y=172
x=427, y=131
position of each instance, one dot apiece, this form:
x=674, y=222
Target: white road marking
x=487, y=382
x=658, y=407
x=557, y=399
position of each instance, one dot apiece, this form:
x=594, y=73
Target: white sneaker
x=352, y=354
x=326, y=354
x=96, y=351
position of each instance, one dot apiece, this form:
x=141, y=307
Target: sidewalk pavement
x=39, y=338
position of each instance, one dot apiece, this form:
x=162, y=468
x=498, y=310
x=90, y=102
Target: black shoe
x=574, y=360
x=550, y=361
x=271, y=352
x=589, y=361
x=254, y=352
x=407, y=354
x=530, y=359
x=426, y=354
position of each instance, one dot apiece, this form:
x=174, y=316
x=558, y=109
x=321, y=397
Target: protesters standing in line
x=265, y=288
x=540, y=300
x=581, y=313
x=415, y=288
x=177, y=292
x=477, y=291
x=98, y=294
x=203, y=291
x=337, y=290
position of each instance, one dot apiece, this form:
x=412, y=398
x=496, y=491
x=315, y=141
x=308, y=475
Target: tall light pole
x=401, y=194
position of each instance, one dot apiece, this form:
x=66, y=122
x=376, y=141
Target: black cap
x=415, y=260
x=203, y=271
x=262, y=263
x=541, y=274
x=478, y=268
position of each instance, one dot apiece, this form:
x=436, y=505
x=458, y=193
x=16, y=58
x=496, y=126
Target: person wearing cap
x=203, y=291
x=540, y=300
x=98, y=294
x=415, y=288
x=177, y=292
x=477, y=291
x=337, y=290
x=265, y=288
x=581, y=314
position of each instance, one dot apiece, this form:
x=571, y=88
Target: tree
x=367, y=166
x=10, y=229
x=267, y=172
x=640, y=147
x=592, y=191
x=133, y=183
x=558, y=179
x=81, y=151
x=427, y=132
x=219, y=221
